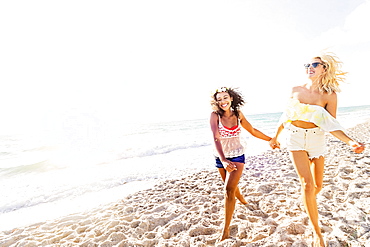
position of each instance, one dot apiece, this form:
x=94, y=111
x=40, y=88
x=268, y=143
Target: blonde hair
x=329, y=81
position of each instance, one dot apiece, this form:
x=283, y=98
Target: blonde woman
x=226, y=122
x=310, y=113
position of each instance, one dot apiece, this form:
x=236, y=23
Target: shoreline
x=189, y=211
x=62, y=208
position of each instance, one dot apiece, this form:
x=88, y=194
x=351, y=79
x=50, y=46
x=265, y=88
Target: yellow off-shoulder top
x=310, y=113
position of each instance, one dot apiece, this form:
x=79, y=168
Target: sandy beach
x=189, y=211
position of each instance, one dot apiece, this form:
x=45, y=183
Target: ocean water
x=89, y=166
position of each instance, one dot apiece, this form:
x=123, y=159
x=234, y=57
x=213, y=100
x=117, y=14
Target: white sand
x=189, y=211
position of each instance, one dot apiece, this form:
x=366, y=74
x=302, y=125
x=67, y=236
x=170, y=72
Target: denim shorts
x=310, y=140
x=239, y=159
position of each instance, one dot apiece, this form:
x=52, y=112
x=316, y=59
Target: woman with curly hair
x=226, y=122
x=311, y=112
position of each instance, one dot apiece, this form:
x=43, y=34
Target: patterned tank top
x=230, y=140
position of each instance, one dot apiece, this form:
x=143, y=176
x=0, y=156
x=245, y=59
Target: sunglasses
x=314, y=65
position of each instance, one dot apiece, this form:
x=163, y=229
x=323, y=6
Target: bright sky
x=151, y=61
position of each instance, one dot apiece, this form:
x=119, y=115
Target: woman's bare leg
x=303, y=167
x=317, y=169
x=231, y=185
x=238, y=194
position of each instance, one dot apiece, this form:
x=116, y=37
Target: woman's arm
x=254, y=132
x=331, y=107
x=216, y=138
x=331, y=104
x=356, y=146
x=274, y=141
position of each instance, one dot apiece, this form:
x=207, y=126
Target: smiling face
x=224, y=100
x=314, y=73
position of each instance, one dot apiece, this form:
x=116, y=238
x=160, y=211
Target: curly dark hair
x=237, y=102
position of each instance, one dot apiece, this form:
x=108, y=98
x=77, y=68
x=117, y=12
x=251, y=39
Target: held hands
x=229, y=166
x=274, y=143
x=357, y=147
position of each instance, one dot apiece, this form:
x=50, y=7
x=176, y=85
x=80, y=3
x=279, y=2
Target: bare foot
x=243, y=201
x=225, y=235
x=318, y=241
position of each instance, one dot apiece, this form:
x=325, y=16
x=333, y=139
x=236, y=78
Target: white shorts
x=310, y=140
